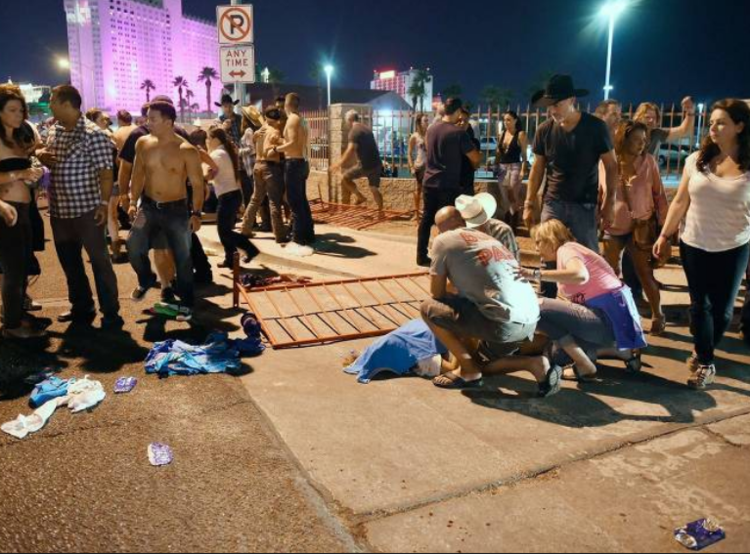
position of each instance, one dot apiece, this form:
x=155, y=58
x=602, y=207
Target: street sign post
x=238, y=64
x=236, y=24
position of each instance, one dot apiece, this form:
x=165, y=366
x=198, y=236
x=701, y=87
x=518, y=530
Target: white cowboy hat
x=476, y=210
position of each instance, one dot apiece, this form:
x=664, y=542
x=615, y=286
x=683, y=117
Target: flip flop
x=577, y=376
x=458, y=383
x=552, y=384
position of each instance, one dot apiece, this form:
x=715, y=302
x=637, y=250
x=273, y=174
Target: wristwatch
x=196, y=213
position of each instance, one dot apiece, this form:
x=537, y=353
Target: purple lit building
x=115, y=45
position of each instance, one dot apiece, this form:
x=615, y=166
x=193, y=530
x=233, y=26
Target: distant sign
x=236, y=24
x=238, y=64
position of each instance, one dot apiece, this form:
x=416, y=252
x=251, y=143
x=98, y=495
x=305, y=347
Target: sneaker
x=112, y=323
x=424, y=262
x=704, y=377
x=30, y=306
x=185, y=314
x=693, y=364
x=168, y=295
x=139, y=293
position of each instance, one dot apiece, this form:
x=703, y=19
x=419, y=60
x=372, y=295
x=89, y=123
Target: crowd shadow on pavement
x=336, y=245
x=100, y=351
x=586, y=406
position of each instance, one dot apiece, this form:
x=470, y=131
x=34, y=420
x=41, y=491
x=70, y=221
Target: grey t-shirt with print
x=484, y=272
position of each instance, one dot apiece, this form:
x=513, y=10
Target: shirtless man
x=296, y=171
x=162, y=165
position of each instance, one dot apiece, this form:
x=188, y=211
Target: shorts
x=463, y=318
x=373, y=175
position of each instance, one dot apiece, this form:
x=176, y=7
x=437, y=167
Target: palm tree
x=275, y=78
x=452, y=91
x=148, y=85
x=207, y=75
x=539, y=83
x=316, y=74
x=189, y=95
x=422, y=78
x=496, y=97
x=180, y=83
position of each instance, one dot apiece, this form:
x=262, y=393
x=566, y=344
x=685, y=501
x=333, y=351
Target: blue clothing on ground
x=622, y=312
x=174, y=357
x=397, y=352
x=52, y=388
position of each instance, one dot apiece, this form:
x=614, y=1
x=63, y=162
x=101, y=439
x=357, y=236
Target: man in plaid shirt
x=79, y=155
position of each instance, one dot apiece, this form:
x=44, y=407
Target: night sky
x=664, y=49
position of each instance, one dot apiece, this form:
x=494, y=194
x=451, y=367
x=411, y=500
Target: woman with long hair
x=641, y=210
x=714, y=201
x=17, y=144
x=512, y=164
x=226, y=183
x=417, y=156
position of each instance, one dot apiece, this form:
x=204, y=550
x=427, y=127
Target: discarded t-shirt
x=174, y=357
x=397, y=352
x=52, y=388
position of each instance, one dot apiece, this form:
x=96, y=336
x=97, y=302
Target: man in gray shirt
x=486, y=301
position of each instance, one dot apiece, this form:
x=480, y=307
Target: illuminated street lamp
x=63, y=63
x=612, y=10
x=329, y=71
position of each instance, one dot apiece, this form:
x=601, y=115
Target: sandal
x=635, y=363
x=573, y=374
x=552, y=384
x=457, y=382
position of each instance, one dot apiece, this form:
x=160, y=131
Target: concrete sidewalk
x=614, y=465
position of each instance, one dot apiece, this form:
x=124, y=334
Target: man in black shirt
x=446, y=144
x=364, y=148
x=568, y=148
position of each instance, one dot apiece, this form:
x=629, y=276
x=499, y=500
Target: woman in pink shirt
x=598, y=317
x=640, y=197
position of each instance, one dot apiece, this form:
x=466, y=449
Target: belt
x=164, y=205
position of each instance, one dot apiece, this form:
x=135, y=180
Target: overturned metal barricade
x=354, y=217
x=293, y=315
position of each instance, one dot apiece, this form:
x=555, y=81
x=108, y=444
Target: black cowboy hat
x=226, y=99
x=559, y=87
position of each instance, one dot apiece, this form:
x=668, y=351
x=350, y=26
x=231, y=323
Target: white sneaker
x=704, y=377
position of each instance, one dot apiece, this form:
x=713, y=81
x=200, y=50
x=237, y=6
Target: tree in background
x=148, y=85
x=180, y=83
x=452, y=91
x=497, y=98
x=207, y=75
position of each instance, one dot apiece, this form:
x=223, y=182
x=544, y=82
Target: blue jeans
x=173, y=220
x=581, y=220
x=714, y=280
x=303, y=228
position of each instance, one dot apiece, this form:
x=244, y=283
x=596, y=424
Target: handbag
x=646, y=232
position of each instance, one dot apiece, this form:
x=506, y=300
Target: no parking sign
x=236, y=24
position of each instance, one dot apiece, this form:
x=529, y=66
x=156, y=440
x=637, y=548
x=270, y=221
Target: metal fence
x=392, y=130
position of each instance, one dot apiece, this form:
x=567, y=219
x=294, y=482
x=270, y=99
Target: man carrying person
x=568, y=149
x=363, y=148
x=446, y=144
x=79, y=155
x=476, y=296
x=294, y=147
x=163, y=164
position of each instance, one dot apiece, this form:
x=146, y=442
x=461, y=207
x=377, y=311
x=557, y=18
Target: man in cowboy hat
x=229, y=119
x=568, y=149
x=476, y=210
x=252, y=122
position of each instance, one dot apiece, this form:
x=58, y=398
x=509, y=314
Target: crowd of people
x=149, y=176
x=594, y=179
x=593, y=176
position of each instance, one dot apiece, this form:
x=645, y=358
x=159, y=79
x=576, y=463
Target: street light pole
x=329, y=72
x=612, y=11
x=608, y=84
